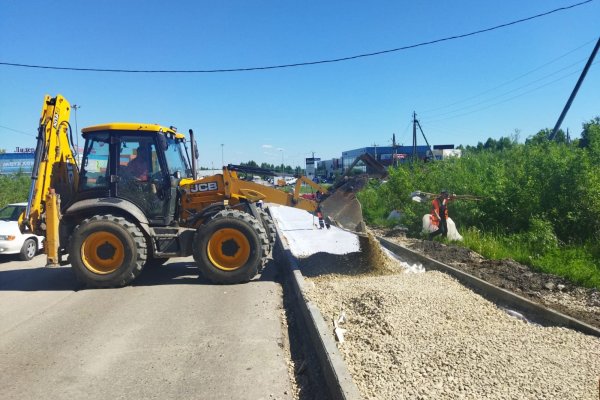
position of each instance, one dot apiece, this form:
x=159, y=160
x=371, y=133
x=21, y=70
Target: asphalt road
x=170, y=335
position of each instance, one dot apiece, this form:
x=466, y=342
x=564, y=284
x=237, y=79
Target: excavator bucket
x=342, y=207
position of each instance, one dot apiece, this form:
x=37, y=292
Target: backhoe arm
x=54, y=177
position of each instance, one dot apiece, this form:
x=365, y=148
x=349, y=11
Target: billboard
x=14, y=163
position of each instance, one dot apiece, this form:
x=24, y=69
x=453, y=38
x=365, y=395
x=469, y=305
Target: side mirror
x=177, y=175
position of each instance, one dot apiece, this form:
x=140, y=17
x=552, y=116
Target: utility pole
x=575, y=90
x=393, y=149
x=282, y=165
x=76, y=107
x=416, y=124
x=424, y=137
x=414, y=145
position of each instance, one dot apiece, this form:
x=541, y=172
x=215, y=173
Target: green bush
x=14, y=188
x=538, y=199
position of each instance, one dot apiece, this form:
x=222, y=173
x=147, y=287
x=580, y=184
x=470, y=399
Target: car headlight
x=7, y=237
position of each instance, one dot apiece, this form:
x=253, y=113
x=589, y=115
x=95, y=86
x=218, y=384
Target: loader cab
x=137, y=163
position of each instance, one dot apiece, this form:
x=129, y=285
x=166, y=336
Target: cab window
x=175, y=157
x=138, y=159
x=95, y=163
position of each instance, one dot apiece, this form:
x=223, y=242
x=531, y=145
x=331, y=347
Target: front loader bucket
x=343, y=208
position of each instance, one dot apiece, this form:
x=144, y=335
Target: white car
x=12, y=241
x=290, y=180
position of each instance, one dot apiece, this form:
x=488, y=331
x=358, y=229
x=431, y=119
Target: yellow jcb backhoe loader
x=135, y=201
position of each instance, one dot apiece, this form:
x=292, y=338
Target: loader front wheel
x=230, y=247
x=107, y=251
x=269, y=226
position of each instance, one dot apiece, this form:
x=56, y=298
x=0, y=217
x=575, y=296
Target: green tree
x=250, y=163
x=14, y=188
x=590, y=136
x=544, y=136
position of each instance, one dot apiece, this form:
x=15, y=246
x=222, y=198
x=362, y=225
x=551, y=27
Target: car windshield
x=11, y=213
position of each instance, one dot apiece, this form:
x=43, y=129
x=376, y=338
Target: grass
x=303, y=188
x=578, y=264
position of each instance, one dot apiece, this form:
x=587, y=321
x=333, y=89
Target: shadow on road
x=50, y=279
x=177, y=273
x=35, y=279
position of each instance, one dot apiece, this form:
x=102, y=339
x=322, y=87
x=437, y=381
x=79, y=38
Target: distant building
x=311, y=166
x=442, y=154
x=329, y=168
x=202, y=173
x=390, y=155
x=13, y=163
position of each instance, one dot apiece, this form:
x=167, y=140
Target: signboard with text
x=18, y=162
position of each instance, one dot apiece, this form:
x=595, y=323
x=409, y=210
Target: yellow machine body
x=55, y=174
x=227, y=187
x=116, y=224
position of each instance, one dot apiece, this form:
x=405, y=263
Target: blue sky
x=463, y=91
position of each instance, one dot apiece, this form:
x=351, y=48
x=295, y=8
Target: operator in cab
x=138, y=167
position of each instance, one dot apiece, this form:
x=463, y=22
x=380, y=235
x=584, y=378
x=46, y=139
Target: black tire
x=231, y=247
x=152, y=262
x=107, y=251
x=269, y=226
x=28, y=250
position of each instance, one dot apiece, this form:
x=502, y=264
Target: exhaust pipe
x=194, y=151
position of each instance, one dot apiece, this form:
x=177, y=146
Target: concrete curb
x=533, y=311
x=338, y=379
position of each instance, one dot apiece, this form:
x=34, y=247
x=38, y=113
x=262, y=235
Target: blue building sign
x=14, y=163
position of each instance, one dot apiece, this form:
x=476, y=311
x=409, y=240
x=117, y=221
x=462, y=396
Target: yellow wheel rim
x=228, y=249
x=102, y=252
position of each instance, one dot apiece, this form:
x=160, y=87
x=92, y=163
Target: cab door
x=141, y=179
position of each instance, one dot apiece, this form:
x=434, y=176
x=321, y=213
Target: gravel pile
x=546, y=289
x=424, y=336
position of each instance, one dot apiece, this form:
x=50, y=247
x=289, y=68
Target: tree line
x=285, y=169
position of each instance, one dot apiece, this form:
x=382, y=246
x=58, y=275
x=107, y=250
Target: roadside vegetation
x=14, y=188
x=540, y=201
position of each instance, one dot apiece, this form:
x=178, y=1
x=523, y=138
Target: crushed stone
x=425, y=336
x=565, y=296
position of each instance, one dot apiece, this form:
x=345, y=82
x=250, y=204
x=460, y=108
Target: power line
x=302, y=64
x=511, y=80
x=17, y=131
x=506, y=92
x=506, y=100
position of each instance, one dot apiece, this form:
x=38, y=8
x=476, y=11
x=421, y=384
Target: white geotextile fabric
x=428, y=227
x=411, y=268
x=304, y=238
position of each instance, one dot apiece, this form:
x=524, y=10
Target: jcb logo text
x=203, y=187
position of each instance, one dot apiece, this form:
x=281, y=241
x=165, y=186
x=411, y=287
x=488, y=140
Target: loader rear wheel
x=107, y=251
x=230, y=248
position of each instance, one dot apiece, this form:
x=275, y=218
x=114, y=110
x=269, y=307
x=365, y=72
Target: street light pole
x=75, y=108
x=222, y=158
x=282, y=165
